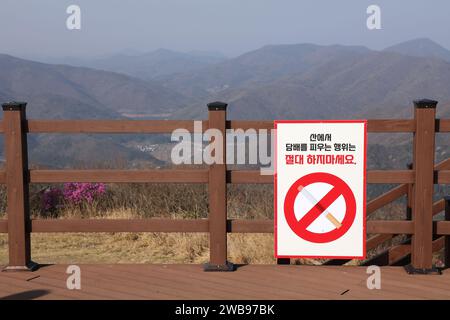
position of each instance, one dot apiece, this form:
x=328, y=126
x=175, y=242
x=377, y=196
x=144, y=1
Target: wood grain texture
x=167, y=126
x=217, y=192
x=443, y=125
x=390, y=176
x=385, y=228
x=250, y=226
x=111, y=126
x=18, y=212
x=423, y=162
x=442, y=227
x=119, y=225
x=390, y=125
x=187, y=282
x=390, y=226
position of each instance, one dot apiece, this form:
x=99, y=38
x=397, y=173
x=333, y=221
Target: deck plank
x=126, y=281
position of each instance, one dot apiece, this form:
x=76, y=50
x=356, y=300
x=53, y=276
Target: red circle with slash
x=339, y=188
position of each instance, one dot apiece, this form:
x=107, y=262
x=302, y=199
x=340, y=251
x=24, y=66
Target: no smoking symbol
x=339, y=188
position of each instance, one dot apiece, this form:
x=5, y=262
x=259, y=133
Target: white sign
x=320, y=189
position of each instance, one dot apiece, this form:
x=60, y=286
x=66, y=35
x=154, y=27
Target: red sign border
x=363, y=257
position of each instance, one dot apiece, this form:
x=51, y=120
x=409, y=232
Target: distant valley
x=298, y=81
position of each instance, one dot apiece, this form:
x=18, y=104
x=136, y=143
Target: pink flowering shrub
x=78, y=193
x=71, y=193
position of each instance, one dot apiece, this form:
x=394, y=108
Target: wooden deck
x=248, y=282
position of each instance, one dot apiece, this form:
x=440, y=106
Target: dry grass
x=141, y=248
x=153, y=200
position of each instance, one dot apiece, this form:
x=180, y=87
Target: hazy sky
x=38, y=28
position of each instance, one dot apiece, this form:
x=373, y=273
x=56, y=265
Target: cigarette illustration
x=313, y=200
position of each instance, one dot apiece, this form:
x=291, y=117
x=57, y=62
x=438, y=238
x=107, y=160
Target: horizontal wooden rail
x=167, y=126
x=390, y=176
x=441, y=227
x=390, y=125
x=390, y=227
x=110, y=126
x=119, y=225
x=249, y=124
x=200, y=225
x=119, y=176
x=443, y=125
x=250, y=226
x=201, y=176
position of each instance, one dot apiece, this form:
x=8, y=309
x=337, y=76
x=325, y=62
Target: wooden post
x=217, y=190
x=447, y=237
x=422, y=210
x=409, y=196
x=17, y=187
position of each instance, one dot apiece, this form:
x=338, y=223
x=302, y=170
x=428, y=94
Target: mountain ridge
x=421, y=47
x=300, y=81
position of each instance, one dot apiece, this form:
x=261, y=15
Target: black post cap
x=425, y=104
x=14, y=106
x=217, y=106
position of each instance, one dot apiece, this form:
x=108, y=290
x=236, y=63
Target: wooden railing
x=417, y=182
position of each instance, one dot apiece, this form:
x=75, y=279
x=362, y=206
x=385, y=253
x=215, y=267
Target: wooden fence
x=419, y=180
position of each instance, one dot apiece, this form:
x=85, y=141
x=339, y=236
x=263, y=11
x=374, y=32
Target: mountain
x=299, y=81
x=86, y=92
x=63, y=92
x=257, y=67
x=309, y=81
x=422, y=47
x=151, y=65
